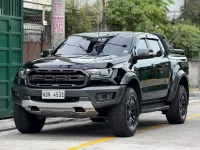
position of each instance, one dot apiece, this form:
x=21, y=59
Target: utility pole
x=57, y=22
x=101, y=16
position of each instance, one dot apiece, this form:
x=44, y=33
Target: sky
x=178, y=4
x=175, y=9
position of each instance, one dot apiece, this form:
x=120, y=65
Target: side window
x=141, y=44
x=154, y=45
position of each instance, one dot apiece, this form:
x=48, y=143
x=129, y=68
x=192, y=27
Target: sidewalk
x=195, y=94
x=8, y=124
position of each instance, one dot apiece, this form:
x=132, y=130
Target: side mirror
x=145, y=53
x=46, y=52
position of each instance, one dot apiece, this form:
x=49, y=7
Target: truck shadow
x=89, y=129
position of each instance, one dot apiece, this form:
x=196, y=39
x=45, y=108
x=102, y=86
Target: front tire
x=124, y=116
x=26, y=122
x=178, y=110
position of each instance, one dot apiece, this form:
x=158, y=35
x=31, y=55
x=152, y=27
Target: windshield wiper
x=80, y=46
x=58, y=55
x=104, y=55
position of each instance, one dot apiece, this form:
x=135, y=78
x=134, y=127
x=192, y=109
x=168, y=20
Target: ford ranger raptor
x=104, y=76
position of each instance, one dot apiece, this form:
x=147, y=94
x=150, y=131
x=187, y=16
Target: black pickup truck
x=106, y=76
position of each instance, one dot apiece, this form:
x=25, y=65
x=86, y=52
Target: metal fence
x=37, y=29
x=9, y=7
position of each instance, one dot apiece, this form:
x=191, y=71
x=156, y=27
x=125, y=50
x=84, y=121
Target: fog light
x=105, y=96
x=15, y=95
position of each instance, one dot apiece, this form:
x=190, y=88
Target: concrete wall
x=37, y=4
x=194, y=76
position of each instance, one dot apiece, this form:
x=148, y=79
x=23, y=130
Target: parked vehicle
x=106, y=76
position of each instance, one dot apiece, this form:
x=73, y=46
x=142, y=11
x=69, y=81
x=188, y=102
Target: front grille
x=49, y=78
x=66, y=100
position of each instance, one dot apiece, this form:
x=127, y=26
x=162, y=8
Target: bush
x=186, y=37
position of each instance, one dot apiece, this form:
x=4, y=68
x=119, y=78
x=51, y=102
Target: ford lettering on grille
x=57, y=78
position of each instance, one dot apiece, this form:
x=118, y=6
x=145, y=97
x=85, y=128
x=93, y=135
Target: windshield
x=104, y=45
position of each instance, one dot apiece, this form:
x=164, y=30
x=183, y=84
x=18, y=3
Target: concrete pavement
x=153, y=133
x=8, y=124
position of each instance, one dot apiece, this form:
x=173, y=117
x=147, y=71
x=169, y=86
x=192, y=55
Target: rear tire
x=98, y=119
x=26, y=122
x=178, y=110
x=124, y=116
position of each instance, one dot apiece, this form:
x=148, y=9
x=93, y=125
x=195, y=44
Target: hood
x=76, y=62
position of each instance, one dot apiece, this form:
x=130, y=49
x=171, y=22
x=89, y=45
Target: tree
x=138, y=15
x=150, y=16
x=186, y=37
x=78, y=18
x=191, y=11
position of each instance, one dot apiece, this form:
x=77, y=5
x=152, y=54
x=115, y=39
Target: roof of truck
x=97, y=34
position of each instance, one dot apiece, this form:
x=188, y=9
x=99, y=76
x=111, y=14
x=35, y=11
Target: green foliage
x=78, y=19
x=150, y=16
x=186, y=37
x=137, y=15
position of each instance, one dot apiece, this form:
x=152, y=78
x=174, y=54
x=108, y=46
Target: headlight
x=23, y=72
x=99, y=73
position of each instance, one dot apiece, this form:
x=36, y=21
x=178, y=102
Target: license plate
x=57, y=94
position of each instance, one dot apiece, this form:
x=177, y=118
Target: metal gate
x=11, y=50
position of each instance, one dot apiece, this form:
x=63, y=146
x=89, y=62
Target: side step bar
x=151, y=107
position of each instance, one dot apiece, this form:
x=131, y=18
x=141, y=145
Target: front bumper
x=87, y=101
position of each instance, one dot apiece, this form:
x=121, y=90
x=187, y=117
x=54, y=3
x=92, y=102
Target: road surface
x=153, y=133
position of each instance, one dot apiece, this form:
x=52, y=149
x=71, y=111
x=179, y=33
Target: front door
x=162, y=65
x=146, y=70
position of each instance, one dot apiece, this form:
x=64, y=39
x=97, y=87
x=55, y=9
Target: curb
x=195, y=94
x=7, y=129
x=48, y=122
